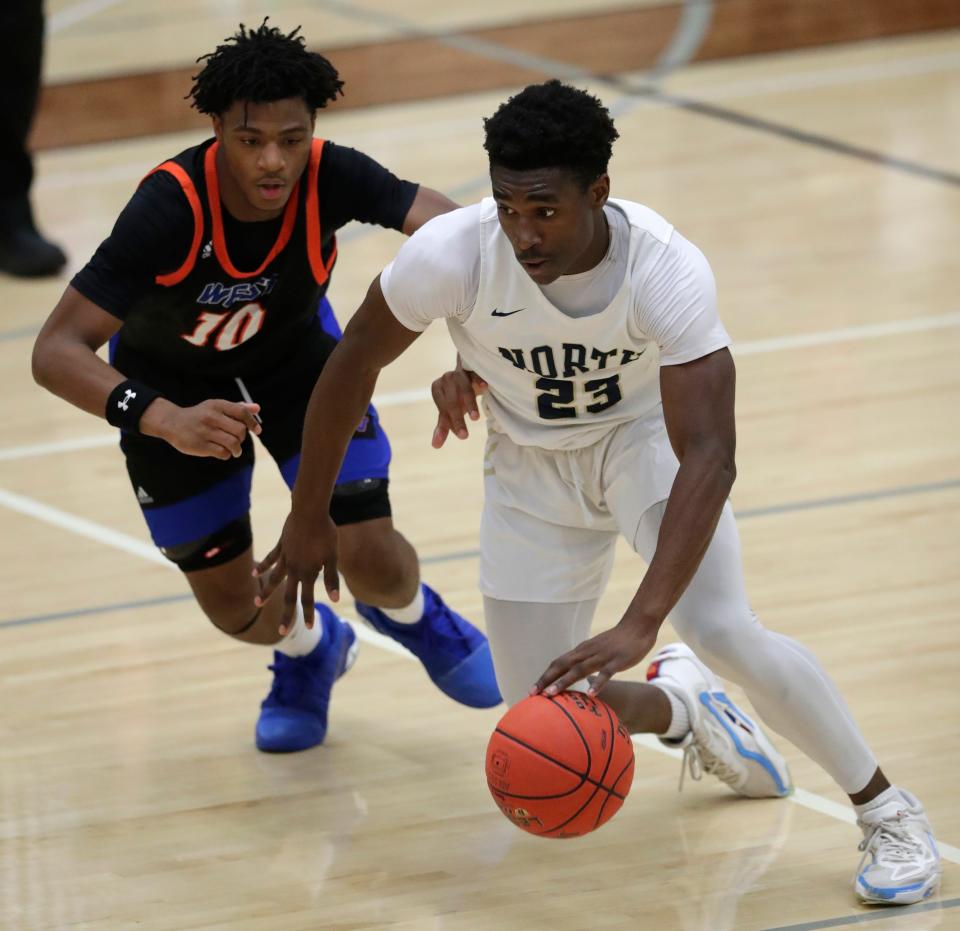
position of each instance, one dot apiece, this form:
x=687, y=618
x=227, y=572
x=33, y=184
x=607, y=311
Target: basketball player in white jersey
x=610, y=410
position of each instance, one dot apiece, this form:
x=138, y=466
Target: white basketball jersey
x=560, y=382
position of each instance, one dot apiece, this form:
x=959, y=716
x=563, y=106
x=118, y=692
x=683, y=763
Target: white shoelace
x=890, y=842
x=697, y=760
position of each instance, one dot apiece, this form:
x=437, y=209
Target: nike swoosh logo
x=509, y=313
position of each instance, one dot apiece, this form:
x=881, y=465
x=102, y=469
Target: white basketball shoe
x=722, y=741
x=900, y=863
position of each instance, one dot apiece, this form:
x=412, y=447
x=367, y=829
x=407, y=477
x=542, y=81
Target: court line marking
x=159, y=600
x=805, y=137
x=64, y=19
x=456, y=555
x=133, y=546
x=111, y=608
x=417, y=395
x=801, y=797
x=846, y=334
x=94, y=441
x=695, y=19
x=19, y=333
x=883, y=914
x=836, y=76
x=70, y=176
x=645, y=89
x=882, y=494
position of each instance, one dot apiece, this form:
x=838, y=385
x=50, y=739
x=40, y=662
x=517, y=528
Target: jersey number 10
x=231, y=329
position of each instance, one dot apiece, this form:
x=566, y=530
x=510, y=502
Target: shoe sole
x=905, y=895
x=473, y=693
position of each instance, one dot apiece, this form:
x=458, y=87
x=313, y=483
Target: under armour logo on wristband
x=126, y=404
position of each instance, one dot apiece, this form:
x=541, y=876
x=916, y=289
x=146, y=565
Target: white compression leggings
x=783, y=679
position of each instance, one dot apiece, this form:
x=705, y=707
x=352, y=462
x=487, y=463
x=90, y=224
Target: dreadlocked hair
x=552, y=125
x=262, y=65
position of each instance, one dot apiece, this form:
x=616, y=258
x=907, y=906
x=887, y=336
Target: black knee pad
x=215, y=549
x=355, y=502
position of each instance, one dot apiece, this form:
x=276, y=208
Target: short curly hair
x=552, y=125
x=262, y=65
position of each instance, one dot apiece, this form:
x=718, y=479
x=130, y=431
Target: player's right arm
x=65, y=362
x=374, y=337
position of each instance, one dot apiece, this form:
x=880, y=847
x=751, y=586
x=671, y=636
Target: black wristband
x=126, y=405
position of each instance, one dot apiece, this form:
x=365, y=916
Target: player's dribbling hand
x=455, y=394
x=215, y=428
x=605, y=655
x=304, y=549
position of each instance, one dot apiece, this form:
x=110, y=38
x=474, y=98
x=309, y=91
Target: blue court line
x=20, y=333
x=901, y=491
x=880, y=914
x=456, y=555
x=173, y=599
x=100, y=609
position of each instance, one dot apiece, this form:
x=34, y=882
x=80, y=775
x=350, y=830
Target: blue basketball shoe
x=454, y=653
x=294, y=715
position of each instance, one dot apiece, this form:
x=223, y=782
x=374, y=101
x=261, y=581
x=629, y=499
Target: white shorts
x=551, y=517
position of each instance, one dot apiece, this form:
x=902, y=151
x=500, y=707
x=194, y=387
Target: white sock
x=891, y=794
x=412, y=613
x=680, y=719
x=300, y=639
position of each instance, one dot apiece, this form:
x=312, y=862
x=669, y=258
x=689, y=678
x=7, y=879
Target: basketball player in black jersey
x=211, y=293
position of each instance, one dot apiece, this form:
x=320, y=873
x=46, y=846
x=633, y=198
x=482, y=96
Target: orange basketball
x=560, y=767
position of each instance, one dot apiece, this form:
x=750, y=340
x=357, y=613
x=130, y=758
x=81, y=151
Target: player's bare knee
x=231, y=611
x=378, y=571
x=235, y=623
x=371, y=559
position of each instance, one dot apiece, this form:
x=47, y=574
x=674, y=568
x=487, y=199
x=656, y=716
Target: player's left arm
x=698, y=406
x=426, y=205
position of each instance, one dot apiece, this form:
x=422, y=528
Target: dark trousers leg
x=23, y=250
x=21, y=54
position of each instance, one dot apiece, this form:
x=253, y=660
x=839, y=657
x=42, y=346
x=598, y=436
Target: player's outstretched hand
x=304, y=549
x=215, y=427
x=606, y=654
x=455, y=394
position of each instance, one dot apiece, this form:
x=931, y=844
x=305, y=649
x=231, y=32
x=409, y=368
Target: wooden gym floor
x=824, y=186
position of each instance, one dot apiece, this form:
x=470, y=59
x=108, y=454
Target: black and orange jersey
x=203, y=296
